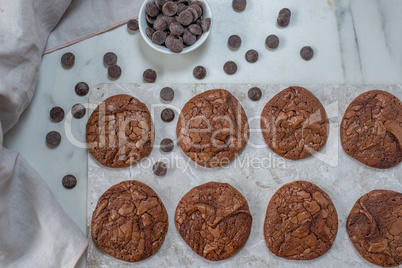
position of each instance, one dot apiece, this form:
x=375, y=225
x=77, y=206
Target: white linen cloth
x=34, y=230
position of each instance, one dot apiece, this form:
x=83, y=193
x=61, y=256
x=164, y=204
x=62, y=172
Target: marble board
x=257, y=173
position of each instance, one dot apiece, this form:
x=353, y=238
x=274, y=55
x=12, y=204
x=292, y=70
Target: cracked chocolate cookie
x=212, y=128
x=374, y=226
x=214, y=220
x=120, y=131
x=129, y=222
x=371, y=129
x=301, y=222
x=294, y=123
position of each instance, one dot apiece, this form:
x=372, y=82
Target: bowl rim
x=143, y=25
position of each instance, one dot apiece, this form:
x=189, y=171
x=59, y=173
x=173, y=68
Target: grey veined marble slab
x=257, y=173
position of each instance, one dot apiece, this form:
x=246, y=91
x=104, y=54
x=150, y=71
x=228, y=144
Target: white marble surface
x=355, y=42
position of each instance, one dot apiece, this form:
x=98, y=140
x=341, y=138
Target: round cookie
x=374, y=226
x=214, y=220
x=294, y=123
x=212, y=128
x=120, y=131
x=129, y=222
x=371, y=129
x=301, y=222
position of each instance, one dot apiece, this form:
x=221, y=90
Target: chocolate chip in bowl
x=175, y=27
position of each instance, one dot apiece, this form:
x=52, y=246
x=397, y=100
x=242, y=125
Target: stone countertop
x=355, y=42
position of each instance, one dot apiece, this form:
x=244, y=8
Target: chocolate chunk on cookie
x=214, y=220
x=294, y=123
x=371, y=129
x=374, y=226
x=301, y=222
x=212, y=128
x=129, y=222
x=120, y=131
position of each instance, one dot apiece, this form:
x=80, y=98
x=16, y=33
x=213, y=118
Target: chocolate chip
x=167, y=115
x=167, y=94
x=150, y=19
x=78, y=110
x=133, y=25
x=169, y=20
x=159, y=4
x=167, y=145
x=234, y=41
x=149, y=76
x=285, y=11
x=149, y=31
x=307, y=53
x=169, y=9
x=185, y=18
x=239, y=5
x=198, y=3
x=206, y=24
x=254, y=94
x=189, y=38
x=230, y=67
x=199, y=72
x=81, y=89
x=53, y=138
x=185, y=2
x=180, y=8
x=160, y=25
x=251, y=56
x=114, y=71
x=151, y=9
x=197, y=8
x=176, y=28
x=177, y=46
x=68, y=59
x=272, y=41
x=283, y=20
x=159, y=37
x=195, y=29
x=194, y=13
x=159, y=169
x=57, y=114
x=69, y=181
x=110, y=58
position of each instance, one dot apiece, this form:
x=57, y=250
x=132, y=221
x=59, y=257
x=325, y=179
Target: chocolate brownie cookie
x=294, y=123
x=301, y=222
x=214, y=220
x=120, y=131
x=129, y=222
x=374, y=226
x=212, y=128
x=371, y=129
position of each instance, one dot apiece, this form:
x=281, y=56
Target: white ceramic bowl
x=207, y=13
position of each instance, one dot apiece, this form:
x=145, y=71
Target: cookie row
x=213, y=128
x=130, y=222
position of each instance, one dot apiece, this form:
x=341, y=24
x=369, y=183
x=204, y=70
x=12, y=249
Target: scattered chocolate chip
x=110, y=58
x=159, y=169
x=230, y=67
x=206, y=24
x=57, y=114
x=285, y=11
x=81, y=89
x=307, y=53
x=234, y=41
x=167, y=145
x=167, y=94
x=189, y=38
x=169, y=9
x=254, y=94
x=53, y=138
x=251, y=56
x=149, y=76
x=151, y=10
x=272, y=41
x=160, y=25
x=167, y=115
x=78, y=110
x=239, y=5
x=114, y=71
x=69, y=181
x=176, y=28
x=185, y=18
x=159, y=37
x=133, y=25
x=149, y=31
x=283, y=20
x=68, y=60
x=199, y=72
x=195, y=29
